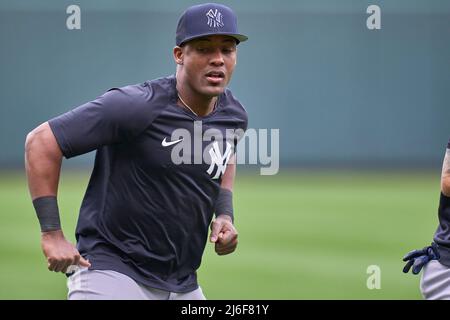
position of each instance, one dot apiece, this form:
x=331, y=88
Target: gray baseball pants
x=87, y=284
x=435, y=281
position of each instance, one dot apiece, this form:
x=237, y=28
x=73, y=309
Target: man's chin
x=213, y=91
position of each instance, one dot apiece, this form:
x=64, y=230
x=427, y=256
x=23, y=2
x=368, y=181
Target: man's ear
x=178, y=55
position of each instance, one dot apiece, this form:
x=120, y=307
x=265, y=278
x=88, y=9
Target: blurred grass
x=302, y=235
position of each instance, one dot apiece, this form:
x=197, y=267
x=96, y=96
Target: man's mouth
x=215, y=77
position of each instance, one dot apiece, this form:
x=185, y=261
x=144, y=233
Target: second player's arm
x=43, y=159
x=445, y=177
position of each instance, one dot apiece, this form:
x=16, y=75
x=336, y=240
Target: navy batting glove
x=418, y=258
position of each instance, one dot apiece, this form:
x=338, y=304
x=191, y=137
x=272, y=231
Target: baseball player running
x=143, y=223
x=435, y=259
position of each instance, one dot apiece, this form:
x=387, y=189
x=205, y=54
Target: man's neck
x=200, y=105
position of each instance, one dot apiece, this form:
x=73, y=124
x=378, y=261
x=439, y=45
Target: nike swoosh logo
x=164, y=143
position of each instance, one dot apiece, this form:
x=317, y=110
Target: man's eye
x=228, y=50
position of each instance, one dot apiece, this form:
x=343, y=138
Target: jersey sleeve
x=241, y=125
x=236, y=111
x=240, y=132
x=117, y=116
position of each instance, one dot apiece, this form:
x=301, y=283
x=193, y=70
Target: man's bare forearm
x=42, y=162
x=445, y=177
x=43, y=159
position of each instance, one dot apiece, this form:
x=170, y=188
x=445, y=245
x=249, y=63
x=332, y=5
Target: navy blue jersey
x=144, y=215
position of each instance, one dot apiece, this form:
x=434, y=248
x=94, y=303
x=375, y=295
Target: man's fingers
x=62, y=264
x=413, y=254
x=217, y=238
x=226, y=245
x=51, y=264
x=408, y=266
x=224, y=252
x=58, y=266
x=76, y=259
x=84, y=263
x=54, y=264
x=227, y=237
x=216, y=227
x=67, y=264
x=419, y=263
x=228, y=248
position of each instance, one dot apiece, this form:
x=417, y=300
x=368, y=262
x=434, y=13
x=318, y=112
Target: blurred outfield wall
x=340, y=94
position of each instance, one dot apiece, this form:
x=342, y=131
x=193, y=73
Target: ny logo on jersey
x=214, y=18
x=219, y=160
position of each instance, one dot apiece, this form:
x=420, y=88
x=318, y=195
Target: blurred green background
x=363, y=118
x=303, y=235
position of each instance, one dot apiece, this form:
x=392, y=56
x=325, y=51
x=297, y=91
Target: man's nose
x=217, y=58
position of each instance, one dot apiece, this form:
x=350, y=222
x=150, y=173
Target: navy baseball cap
x=207, y=19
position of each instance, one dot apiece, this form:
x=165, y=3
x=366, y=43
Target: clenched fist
x=60, y=253
x=224, y=235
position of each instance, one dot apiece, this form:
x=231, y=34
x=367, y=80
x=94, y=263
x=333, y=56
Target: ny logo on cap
x=214, y=18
